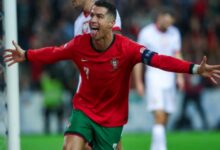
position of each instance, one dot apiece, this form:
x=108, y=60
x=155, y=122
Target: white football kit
x=160, y=85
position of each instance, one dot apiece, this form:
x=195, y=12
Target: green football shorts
x=99, y=137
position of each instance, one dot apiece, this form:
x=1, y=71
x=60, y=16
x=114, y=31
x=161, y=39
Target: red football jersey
x=103, y=92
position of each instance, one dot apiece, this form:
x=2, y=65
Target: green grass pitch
x=134, y=141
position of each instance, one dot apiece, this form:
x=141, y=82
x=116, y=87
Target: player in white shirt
x=81, y=26
x=161, y=37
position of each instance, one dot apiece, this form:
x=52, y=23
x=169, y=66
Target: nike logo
x=84, y=60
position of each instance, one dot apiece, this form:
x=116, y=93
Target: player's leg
x=161, y=103
x=119, y=146
x=158, y=130
x=73, y=142
x=155, y=104
x=87, y=147
x=78, y=132
x=160, y=117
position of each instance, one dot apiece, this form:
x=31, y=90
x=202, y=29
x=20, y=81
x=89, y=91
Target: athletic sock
x=158, y=141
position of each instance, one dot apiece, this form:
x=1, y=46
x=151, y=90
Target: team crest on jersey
x=114, y=63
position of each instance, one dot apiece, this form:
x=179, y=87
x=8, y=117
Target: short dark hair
x=162, y=11
x=110, y=7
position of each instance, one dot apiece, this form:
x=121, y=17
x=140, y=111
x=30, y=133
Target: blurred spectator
x=192, y=93
x=199, y=9
x=52, y=93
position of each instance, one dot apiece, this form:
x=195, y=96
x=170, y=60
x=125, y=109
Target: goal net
x=3, y=102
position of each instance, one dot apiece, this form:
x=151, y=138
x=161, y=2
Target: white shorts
x=161, y=99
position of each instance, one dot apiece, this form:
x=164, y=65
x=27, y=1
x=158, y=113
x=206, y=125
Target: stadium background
x=50, y=22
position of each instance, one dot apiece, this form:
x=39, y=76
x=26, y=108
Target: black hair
x=110, y=7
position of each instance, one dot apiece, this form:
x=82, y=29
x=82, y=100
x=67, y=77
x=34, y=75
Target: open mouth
x=94, y=30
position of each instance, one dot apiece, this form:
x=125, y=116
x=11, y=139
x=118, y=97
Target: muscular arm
x=172, y=64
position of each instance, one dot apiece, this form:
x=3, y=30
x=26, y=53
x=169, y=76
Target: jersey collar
x=100, y=51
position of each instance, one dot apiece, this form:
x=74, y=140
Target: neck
x=88, y=6
x=104, y=43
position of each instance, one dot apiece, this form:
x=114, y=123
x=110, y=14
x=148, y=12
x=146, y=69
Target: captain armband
x=147, y=55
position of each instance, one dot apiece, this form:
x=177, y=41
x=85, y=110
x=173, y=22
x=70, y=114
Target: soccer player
x=81, y=26
x=162, y=37
x=105, y=61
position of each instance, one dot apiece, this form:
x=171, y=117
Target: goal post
x=12, y=88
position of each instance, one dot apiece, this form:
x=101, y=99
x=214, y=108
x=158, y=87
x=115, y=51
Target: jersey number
x=86, y=70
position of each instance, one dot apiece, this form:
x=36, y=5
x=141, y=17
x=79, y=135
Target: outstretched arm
x=172, y=64
x=44, y=55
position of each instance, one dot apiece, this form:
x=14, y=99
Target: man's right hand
x=13, y=56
